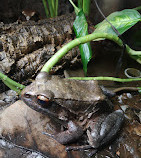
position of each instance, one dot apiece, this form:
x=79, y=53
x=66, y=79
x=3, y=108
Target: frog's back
x=75, y=94
x=75, y=89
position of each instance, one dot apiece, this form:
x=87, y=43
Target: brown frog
x=78, y=105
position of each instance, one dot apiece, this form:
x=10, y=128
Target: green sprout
x=51, y=8
x=85, y=6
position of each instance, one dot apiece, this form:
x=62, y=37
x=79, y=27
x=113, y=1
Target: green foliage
x=45, y=7
x=80, y=27
x=85, y=6
x=11, y=84
x=126, y=18
x=121, y=20
x=51, y=8
x=100, y=78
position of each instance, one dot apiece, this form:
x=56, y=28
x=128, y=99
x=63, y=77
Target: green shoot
x=46, y=9
x=81, y=40
x=11, y=84
x=85, y=5
x=51, y=8
x=107, y=79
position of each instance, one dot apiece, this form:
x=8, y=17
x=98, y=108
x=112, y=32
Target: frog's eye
x=43, y=100
x=27, y=95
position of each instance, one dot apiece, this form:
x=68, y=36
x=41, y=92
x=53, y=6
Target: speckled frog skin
x=78, y=105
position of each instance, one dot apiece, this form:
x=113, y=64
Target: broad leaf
x=121, y=20
x=80, y=27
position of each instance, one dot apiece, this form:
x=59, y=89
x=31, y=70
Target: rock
x=23, y=126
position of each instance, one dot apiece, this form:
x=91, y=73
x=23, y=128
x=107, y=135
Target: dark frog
x=78, y=105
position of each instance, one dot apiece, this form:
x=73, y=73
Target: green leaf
x=80, y=27
x=121, y=20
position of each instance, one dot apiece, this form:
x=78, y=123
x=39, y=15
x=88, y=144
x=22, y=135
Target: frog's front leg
x=70, y=135
x=105, y=129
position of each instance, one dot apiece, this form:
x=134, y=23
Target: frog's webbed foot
x=105, y=129
x=68, y=136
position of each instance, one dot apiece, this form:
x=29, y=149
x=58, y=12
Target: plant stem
x=86, y=6
x=7, y=80
x=80, y=4
x=137, y=8
x=132, y=52
x=52, y=4
x=46, y=9
x=107, y=78
x=77, y=10
x=12, y=87
x=50, y=8
x=55, y=58
x=56, y=7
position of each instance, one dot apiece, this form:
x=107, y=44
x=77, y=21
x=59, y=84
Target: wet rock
x=23, y=126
